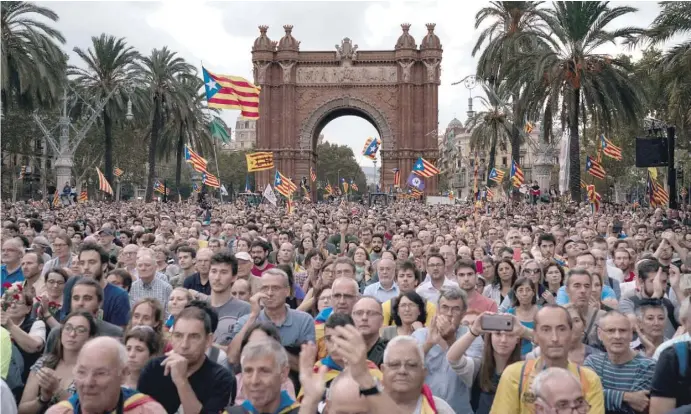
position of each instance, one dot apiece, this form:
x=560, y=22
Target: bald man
x=557, y=389
x=98, y=393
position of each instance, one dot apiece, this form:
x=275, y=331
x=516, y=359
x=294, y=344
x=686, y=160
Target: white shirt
x=670, y=342
x=430, y=293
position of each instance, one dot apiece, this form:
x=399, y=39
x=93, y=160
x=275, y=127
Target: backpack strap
x=214, y=353
x=682, y=351
x=526, y=370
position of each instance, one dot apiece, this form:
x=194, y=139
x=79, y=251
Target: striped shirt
x=635, y=375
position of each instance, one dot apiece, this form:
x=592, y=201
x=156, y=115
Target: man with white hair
x=558, y=390
x=386, y=288
x=264, y=370
x=404, y=378
x=100, y=370
x=148, y=285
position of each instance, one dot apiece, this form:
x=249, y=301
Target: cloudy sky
x=221, y=34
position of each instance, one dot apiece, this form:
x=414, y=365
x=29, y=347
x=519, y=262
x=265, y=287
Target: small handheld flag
x=610, y=149
x=353, y=186
x=118, y=172
x=371, y=148
x=103, y=184
x=414, y=181
x=496, y=175
x=210, y=180
x=516, y=176
x=83, y=197
x=160, y=188
x=396, y=178
x=283, y=184
x=424, y=168
x=594, y=168
x=260, y=161
x=313, y=175
x=269, y=195
x=198, y=162
x=56, y=199
x=344, y=183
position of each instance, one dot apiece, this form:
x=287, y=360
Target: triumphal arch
x=395, y=90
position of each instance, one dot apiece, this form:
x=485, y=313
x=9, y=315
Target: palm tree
x=109, y=66
x=161, y=72
x=33, y=65
x=674, y=19
x=492, y=126
x=189, y=124
x=576, y=80
x=503, y=41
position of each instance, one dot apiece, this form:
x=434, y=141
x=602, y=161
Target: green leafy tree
x=492, y=126
x=109, y=66
x=337, y=161
x=33, y=65
x=160, y=73
x=576, y=78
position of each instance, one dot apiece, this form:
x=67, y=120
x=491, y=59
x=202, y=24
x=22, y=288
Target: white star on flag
x=211, y=84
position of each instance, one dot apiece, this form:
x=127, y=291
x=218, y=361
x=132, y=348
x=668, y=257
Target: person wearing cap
x=245, y=264
x=40, y=246
x=105, y=239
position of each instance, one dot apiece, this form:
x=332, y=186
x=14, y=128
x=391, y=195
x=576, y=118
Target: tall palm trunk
x=492, y=155
x=108, y=127
x=180, y=151
x=156, y=126
x=574, y=146
x=547, y=124
x=515, y=131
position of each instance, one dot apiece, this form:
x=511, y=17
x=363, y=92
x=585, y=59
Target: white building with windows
x=245, y=136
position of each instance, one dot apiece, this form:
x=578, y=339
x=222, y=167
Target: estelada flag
x=260, y=161
x=424, y=168
x=231, y=92
x=103, y=184
x=198, y=162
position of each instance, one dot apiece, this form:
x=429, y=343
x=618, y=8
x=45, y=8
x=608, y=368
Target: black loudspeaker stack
x=652, y=152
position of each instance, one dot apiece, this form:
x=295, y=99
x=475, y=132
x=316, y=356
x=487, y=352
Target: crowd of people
x=345, y=309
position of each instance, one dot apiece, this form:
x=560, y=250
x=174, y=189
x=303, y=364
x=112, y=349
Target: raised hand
x=313, y=383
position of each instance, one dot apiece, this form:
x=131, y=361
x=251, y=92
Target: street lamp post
x=63, y=147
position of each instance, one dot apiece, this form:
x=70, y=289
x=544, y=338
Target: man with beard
x=404, y=378
x=32, y=264
x=626, y=375
x=377, y=247
x=552, y=333
x=260, y=251
x=650, y=284
x=466, y=277
x=223, y=272
x=93, y=261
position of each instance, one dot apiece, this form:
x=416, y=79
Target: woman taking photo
x=142, y=344
x=408, y=313
x=505, y=277
x=49, y=305
x=501, y=350
x=51, y=379
x=524, y=306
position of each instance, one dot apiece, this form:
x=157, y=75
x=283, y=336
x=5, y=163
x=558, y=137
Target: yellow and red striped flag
x=396, y=178
x=118, y=172
x=313, y=175
x=198, y=162
x=103, y=184
x=231, y=92
x=210, y=180
x=56, y=199
x=260, y=161
x=284, y=185
x=610, y=149
x=83, y=197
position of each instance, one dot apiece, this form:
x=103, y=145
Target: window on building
x=502, y=146
x=504, y=161
x=520, y=160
